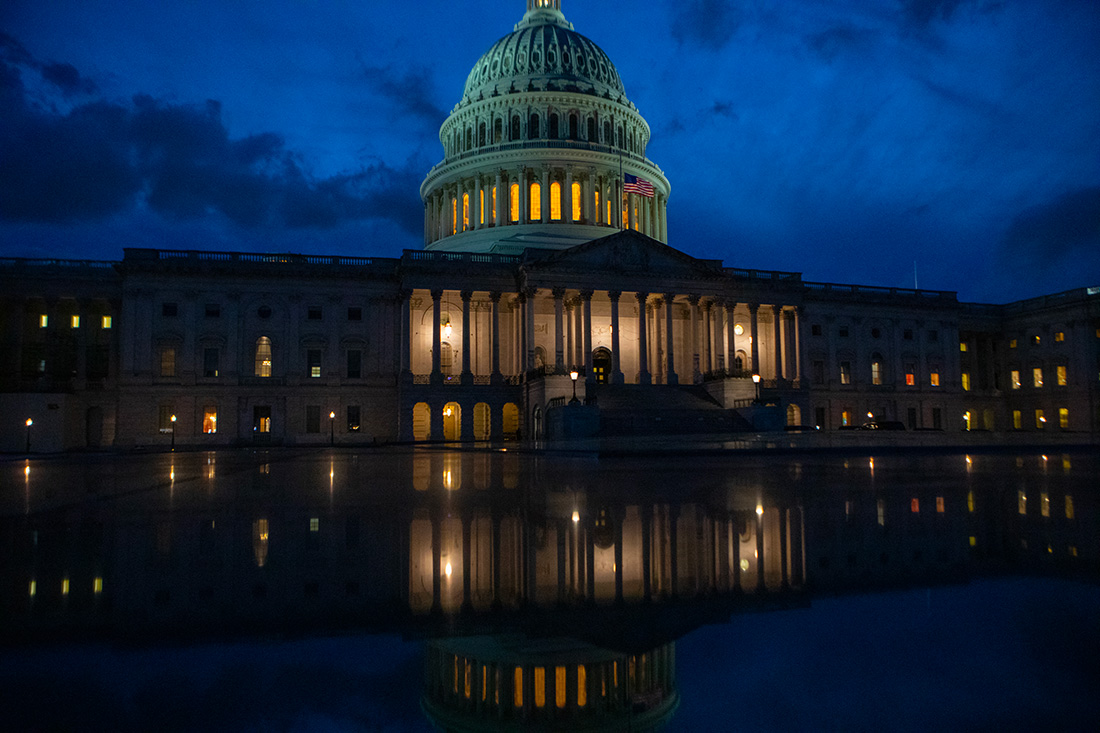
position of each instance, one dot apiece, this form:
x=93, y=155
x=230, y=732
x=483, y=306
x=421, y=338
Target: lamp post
x=573, y=375
x=173, y=432
x=756, y=381
x=29, y=423
x=332, y=427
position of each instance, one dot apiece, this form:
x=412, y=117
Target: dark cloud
x=723, y=109
x=103, y=158
x=835, y=41
x=1044, y=236
x=921, y=13
x=410, y=91
x=707, y=23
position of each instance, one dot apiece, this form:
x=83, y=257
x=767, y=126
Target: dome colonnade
x=540, y=142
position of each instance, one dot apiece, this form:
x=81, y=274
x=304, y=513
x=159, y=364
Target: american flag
x=640, y=186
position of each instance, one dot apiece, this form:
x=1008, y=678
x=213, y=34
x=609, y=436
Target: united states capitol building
x=547, y=303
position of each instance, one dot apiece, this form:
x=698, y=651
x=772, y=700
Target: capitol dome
x=543, y=149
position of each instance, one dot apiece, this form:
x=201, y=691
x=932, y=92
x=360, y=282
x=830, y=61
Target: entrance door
x=601, y=365
x=261, y=419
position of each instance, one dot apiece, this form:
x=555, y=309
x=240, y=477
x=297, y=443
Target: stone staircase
x=634, y=409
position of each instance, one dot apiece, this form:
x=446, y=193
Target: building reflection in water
x=550, y=589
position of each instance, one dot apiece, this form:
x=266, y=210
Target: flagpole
x=622, y=182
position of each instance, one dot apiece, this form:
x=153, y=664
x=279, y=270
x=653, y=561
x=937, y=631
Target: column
x=586, y=336
x=708, y=352
x=669, y=350
x=567, y=197
x=544, y=195
x=524, y=196
x=731, y=337
x=693, y=301
x=643, y=353
x=559, y=345
x=437, y=339
x=406, y=339
x=776, y=314
x=754, y=336
x=591, y=206
x=616, y=373
x=467, y=375
x=529, y=336
x=497, y=204
x=495, y=377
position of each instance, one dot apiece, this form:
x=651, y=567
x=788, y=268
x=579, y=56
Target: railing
x=417, y=255
x=32, y=262
x=555, y=402
x=543, y=143
x=845, y=289
x=137, y=254
x=422, y=379
x=262, y=381
x=716, y=374
x=778, y=275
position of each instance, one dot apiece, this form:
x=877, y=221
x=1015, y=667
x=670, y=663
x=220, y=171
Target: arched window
x=574, y=133
x=509, y=424
x=597, y=192
x=465, y=212
x=454, y=215
x=591, y=129
x=515, y=133
x=607, y=132
x=533, y=127
x=481, y=134
x=513, y=204
x=481, y=421
x=553, y=126
x=576, y=194
x=877, y=376
x=446, y=357
x=498, y=130
x=469, y=138
x=481, y=206
x=619, y=135
x=536, y=202
x=555, y=201
x=263, y=357
x=452, y=422
x=794, y=415
x=422, y=421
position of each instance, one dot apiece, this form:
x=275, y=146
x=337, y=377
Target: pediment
x=628, y=253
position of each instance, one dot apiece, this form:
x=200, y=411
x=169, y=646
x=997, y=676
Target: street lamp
x=573, y=375
x=29, y=423
x=332, y=427
x=173, y=432
x=756, y=381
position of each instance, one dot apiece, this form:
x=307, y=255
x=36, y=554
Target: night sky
x=844, y=139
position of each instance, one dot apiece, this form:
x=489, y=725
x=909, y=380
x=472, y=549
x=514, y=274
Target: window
x=264, y=312
x=962, y=346
x=876, y=370
x=355, y=314
x=910, y=374
x=313, y=361
x=1060, y=336
x=74, y=321
x=169, y=310
x=815, y=329
x=313, y=418
x=210, y=362
x=213, y=310
x=210, y=419
x=845, y=372
x=575, y=201
x=1069, y=506
x=164, y=418
x=933, y=335
x=43, y=321
x=819, y=417
x=1021, y=502
x=845, y=418
x=1015, y=379
x=914, y=505
x=876, y=333
x=355, y=363
x=1060, y=373
x=966, y=381
x=106, y=322
x=1012, y=343
x=513, y=203
x=819, y=372
x=353, y=418
x=261, y=419
x=937, y=418
x=1037, y=377
x=1017, y=419
x=1063, y=418
x=535, y=202
x=907, y=334
x=843, y=332
x=263, y=357
x=314, y=313
x=1040, y=419
x=167, y=361
x=911, y=417
x=934, y=379
x=555, y=201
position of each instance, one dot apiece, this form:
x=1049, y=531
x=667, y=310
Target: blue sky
x=845, y=139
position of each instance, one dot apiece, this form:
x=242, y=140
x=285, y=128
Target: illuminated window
x=876, y=371
x=934, y=379
x=1040, y=419
x=555, y=201
x=313, y=362
x=517, y=687
x=167, y=361
x=210, y=419
x=1015, y=379
x=481, y=206
x=494, y=203
x=1017, y=419
x=74, y=321
x=1060, y=336
x=559, y=687
x=966, y=420
x=540, y=687
x=845, y=418
x=914, y=505
x=910, y=374
x=582, y=686
x=845, y=372
x=97, y=585
x=1060, y=374
x=1044, y=504
x=1063, y=418
x=973, y=541
x=1037, y=377
x=962, y=346
x=575, y=193
x=106, y=322
x=64, y=586
x=966, y=381
x=164, y=418
x=1072, y=550
x=354, y=420
x=1012, y=343
x=43, y=321
x=1021, y=502
x=535, y=202
x=1069, y=506
x=263, y=357
x=454, y=216
x=513, y=203
x=465, y=212
x=314, y=524
x=607, y=217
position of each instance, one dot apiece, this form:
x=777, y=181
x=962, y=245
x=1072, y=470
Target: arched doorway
x=601, y=365
x=452, y=421
x=510, y=421
x=422, y=421
x=794, y=415
x=536, y=424
x=481, y=421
